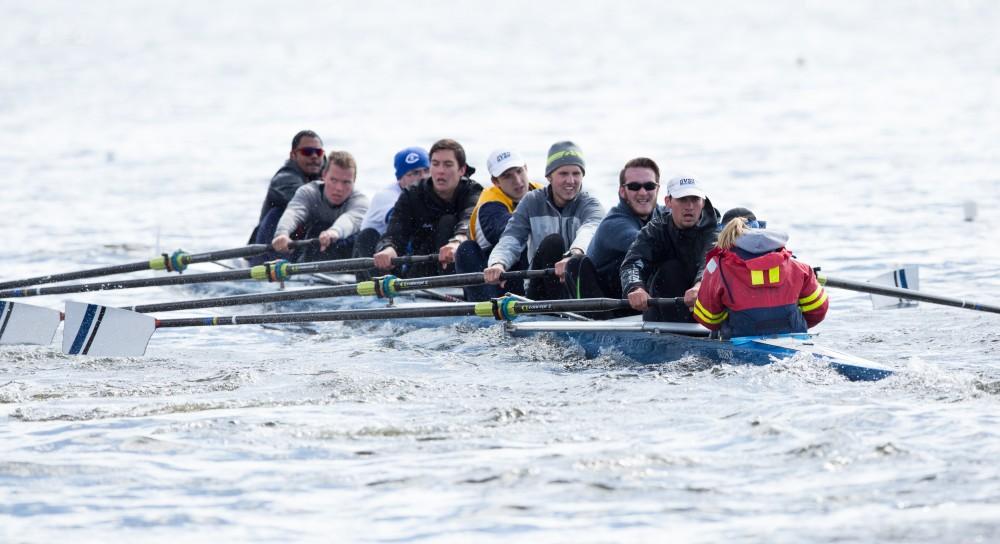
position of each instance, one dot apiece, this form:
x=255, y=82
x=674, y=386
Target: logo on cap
x=411, y=158
x=686, y=181
x=503, y=156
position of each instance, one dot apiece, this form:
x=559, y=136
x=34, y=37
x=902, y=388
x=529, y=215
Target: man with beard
x=555, y=224
x=328, y=209
x=667, y=258
x=304, y=164
x=432, y=215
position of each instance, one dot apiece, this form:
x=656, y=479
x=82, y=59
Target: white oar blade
x=91, y=329
x=26, y=324
x=907, y=277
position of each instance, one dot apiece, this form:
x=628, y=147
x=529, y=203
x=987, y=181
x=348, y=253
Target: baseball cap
x=683, y=186
x=502, y=160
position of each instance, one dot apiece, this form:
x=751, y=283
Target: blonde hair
x=735, y=228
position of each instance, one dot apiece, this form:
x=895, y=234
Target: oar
x=99, y=330
x=904, y=293
x=176, y=262
x=26, y=324
x=272, y=271
x=384, y=287
x=423, y=293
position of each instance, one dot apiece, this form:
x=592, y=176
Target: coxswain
x=753, y=286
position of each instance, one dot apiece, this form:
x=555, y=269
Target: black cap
x=738, y=212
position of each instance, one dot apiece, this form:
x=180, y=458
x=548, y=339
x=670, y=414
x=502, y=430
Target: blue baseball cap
x=410, y=159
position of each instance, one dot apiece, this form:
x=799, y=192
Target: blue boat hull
x=652, y=346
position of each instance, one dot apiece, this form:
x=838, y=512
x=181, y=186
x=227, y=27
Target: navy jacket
x=614, y=236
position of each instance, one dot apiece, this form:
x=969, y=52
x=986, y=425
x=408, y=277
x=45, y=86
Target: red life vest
x=768, y=294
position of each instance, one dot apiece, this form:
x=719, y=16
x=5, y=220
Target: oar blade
x=96, y=330
x=906, y=277
x=26, y=324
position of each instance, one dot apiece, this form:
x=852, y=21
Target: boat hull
x=654, y=343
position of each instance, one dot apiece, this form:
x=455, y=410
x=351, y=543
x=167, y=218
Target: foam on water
x=132, y=128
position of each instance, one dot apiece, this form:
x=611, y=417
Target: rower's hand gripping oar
x=908, y=294
x=99, y=330
x=272, y=271
x=177, y=261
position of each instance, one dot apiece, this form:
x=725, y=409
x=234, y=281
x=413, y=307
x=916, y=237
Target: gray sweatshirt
x=310, y=207
x=536, y=217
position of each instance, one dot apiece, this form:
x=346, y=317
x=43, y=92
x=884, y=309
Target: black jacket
x=661, y=241
x=419, y=209
x=283, y=185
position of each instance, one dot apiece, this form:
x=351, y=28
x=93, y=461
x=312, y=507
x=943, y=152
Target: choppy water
x=128, y=128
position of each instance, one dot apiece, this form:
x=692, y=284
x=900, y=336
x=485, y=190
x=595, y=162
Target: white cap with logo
x=683, y=186
x=502, y=160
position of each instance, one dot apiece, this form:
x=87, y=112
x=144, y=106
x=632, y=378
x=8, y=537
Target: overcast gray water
x=132, y=128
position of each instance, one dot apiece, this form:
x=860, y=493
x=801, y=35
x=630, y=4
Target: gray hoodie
x=536, y=217
x=310, y=207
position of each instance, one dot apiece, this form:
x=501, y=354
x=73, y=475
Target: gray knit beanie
x=561, y=154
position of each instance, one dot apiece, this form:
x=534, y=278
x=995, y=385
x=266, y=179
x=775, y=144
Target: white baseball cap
x=502, y=160
x=683, y=186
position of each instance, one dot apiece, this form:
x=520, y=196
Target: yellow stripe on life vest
x=812, y=297
x=756, y=277
x=708, y=316
x=774, y=275
x=810, y=307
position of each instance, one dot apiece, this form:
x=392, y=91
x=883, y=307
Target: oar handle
x=235, y=253
x=353, y=265
x=389, y=286
x=415, y=259
x=527, y=274
x=251, y=250
x=304, y=244
x=665, y=303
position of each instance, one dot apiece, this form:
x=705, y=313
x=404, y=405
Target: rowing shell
x=648, y=342
x=99, y=330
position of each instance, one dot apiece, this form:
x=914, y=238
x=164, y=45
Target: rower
x=667, y=258
x=555, y=224
x=328, y=209
x=509, y=174
x=412, y=164
x=753, y=286
x=638, y=192
x=304, y=164
x=432, y=215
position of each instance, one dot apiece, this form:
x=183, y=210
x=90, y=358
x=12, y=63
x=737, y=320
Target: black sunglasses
x=310, y=151
x=635, y=186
